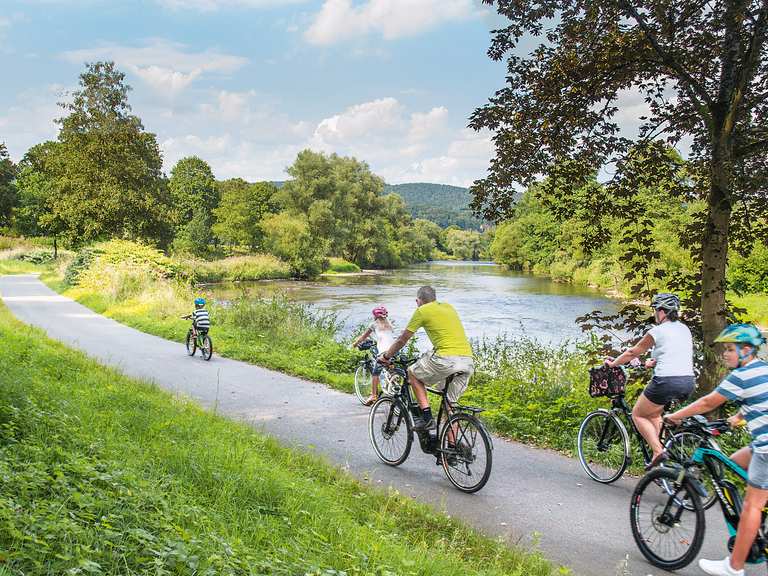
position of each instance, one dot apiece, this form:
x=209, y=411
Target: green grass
x=102, y=474
x=756, y=306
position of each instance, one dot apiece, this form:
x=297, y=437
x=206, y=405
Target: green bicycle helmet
x=742, y=334
x=665, y=301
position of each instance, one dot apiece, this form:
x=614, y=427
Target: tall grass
x=102, y=474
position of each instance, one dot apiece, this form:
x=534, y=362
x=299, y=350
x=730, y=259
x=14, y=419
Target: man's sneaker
x=719, y=567
x=420, y=424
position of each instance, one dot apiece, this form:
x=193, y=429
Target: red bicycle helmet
x=380, y=312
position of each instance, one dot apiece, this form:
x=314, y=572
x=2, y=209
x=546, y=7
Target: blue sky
x=246, y=84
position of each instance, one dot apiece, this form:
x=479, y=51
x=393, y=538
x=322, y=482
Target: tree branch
x=697, y=91
x=750, y=149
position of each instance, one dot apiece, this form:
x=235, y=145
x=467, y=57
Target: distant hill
x=445, y=205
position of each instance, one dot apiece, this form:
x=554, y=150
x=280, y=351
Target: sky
x=247, y=84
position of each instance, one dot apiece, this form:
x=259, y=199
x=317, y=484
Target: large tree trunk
x=714, y=257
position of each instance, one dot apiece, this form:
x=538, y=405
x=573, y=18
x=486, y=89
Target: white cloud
x=31, y=120
x=213, y=5
x=340, y=20
x=165, y=66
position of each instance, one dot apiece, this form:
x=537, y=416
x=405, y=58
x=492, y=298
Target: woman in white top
x=672, y=363
x=383, y=333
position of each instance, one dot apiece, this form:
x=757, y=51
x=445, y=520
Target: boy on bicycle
x=746, y=385
x=201, y=320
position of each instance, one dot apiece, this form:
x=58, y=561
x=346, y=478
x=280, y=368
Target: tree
x=240, y=211
x=464, y=244
x=107, y=167
x=7, y=186
x=700, y=67
x=37, y=192
x=194, y=196
x=288, y=236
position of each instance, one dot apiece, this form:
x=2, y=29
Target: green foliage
x=341, y=266
x=289, y=237
x=103, y=474
x=444, y=205
x=194, y=195
x=37, y=192
x=749, y=273
x=240, y=211
x=344, y=209
x=119, y=263
x=464, y=244
x=123, y=194
x=8, y=194
x=236, y=269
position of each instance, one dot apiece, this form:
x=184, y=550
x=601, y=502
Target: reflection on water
x=489, y=299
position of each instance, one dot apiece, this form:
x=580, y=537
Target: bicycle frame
x=730, y=498
x=619, y=407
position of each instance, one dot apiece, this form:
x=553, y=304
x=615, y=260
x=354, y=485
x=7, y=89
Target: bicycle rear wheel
x=390, y=430
x=467, y=454
x=191, y=343
x=603, y=446
x=362, y=383
x=668, y=533
x=207, y=348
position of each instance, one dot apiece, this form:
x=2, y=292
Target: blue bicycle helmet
x=199, y=301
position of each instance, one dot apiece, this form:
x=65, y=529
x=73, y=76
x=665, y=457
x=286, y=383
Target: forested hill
x=440, y=203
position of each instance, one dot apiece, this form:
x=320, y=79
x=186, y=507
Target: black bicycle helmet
x=665, y=301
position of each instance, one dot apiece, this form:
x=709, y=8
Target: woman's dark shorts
x=377, y=368
x=663, y=389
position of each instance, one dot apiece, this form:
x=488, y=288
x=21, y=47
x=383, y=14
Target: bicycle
x=461, y=445
x=198, y=339
x=364, y=373
x=603, y=441
x=675, y=521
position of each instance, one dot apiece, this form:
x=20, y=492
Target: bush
x=236, y=269
x=36, y=256
x=100, y=265
x=341, y=266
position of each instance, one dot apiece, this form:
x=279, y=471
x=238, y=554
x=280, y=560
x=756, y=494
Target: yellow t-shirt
x=443, y=327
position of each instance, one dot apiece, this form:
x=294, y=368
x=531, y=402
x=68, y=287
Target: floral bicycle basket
x=606, y=381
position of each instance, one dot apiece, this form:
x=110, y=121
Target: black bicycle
x=668, y=526
x=603, y=442
x=462, y=445
x=198, y=339
x=364, y=372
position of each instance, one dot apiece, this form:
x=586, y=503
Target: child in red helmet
x=383, y=333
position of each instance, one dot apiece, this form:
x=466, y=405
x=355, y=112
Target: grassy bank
x=153, y=484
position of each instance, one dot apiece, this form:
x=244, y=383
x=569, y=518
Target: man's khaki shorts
x=433, y=370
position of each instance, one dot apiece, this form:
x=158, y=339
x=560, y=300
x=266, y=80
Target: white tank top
x=672, y=349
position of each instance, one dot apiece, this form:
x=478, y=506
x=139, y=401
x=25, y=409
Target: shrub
x=236, y=269
x=341, y=266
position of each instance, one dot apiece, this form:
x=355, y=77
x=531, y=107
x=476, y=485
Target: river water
x=489, y=299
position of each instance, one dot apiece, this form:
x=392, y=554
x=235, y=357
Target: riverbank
x=155, y=484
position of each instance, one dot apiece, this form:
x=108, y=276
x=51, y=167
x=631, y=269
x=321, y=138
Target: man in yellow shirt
x=452, y=354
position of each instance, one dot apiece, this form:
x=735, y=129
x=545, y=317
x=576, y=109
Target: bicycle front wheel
x=191, y=344
x=603, y=446
x=667, y=530
x=467, y=454
x=362, y=383
x=390, y=430
x=207, y=348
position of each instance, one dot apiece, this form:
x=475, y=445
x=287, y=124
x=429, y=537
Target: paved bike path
x=532, y=493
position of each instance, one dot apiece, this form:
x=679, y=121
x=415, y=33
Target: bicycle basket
x=606, y=381
x=367, y=345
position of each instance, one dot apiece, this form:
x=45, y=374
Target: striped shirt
x=748, y=386
x=201, y=319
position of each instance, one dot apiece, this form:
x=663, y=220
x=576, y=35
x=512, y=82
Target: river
x=489, y=299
